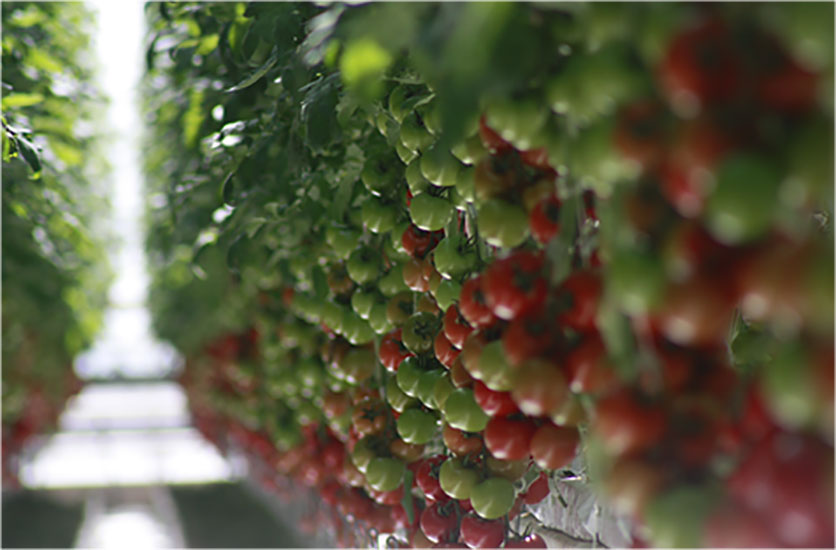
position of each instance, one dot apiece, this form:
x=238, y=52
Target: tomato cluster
x=632, y=282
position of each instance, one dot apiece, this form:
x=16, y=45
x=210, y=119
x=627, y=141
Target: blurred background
x=103, y=455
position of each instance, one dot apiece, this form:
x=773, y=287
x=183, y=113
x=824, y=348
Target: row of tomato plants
x=437, y=305
x=55, y=273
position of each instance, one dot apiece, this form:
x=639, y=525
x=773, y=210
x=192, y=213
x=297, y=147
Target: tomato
x=427, y=479
x=514, y=286
x=399, y=308
x=472, y=304
x=358, y=365
x=494, y=403
x=509, y=439
x=734, y=526
x=462, y=412
x=538, y=490
x=392, y=351
x=584, y=288
x=363, y=265
x=625, y=425
x=631, y=484
x=417, y=426
x=539, y=388
x=531, y=541
x=701, y=65
x=675, y=518
x=385, y=474
x=392, y=282
x=339, y=280
x=454, y=257
x=588, y=368
x=461, y=443
x=696, y=313
x=379, y=216
x=342, y=240
x=526, y=338
x=553, y=447
x=419, y=332
x=408, y=452
x=456, y=328
x=408, y=375
x=425, y=390
x=492, y=141
x=413, y=275
x=641, y=132
x=545, y=219
x=369, y=418
x=459, y=375
x=447, y=293
x=492, y=498
x=441, y=390
x=502, y=223
x=791, y=89
x=512, y=470
x=418, y=242
x=456, y=479
x=444, y=350
x=493, y=369
x=476, y=532
x=430, y=213
x=438, y=521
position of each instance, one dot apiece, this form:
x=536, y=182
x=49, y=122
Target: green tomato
x=408, y=375
x=381, y=172
x=463, y=413
x=414, y=135
x=447, y=293
x=415, y=180
x=379, y=216
x=392, y=283
x=676, y=518
x=493, y=498
x=494, y=369
x=416, y=426
x=466, y=184
x=404, y=153
x=503, y=224
x=450, y=169
x=456, y=479
x=310, y=373
x=362, y=454
x=358, y=365
x=426, y=386
x=470, y=150
x=430, y=213
x=364, y=265
x=332, y=315
x=431, y=114
x=342, y=241
x=744, y=202
x=397, y=399
x=378, y=319
x=419, y=332
x=442, y=389
x=454, y=258
x=636, y=281
x=400, y=307
x=359, y=332
x=431, y=163
x=790, y=389
x=517, y=120
x=362, y=302
x=385, y=474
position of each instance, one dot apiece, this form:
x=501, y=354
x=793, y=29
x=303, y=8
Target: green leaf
x=320, y=282
x=257, y=74
x=21, y=100
x=29, y=154
x=228, y=189
x=406, y=500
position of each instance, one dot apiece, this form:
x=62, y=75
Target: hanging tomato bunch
x=425, y=276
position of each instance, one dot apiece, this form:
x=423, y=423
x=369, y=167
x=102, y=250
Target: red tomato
x=427, y=479
x=438, y=521
x=459, y=375
x=588, y=368
x=526, y=338
x=545, y=219
x=418, y=242
x=392, y=350
x=473, y=306
x=494, y=403
x=627, y=426
x=476, y=532
x=444, y=350
x=413, y=275
x=492, y=141
x=514, y=286
x=461, y=443
x=540, y=388
x=641, y=132
x=553, y=447
x=538, y=490
x=456, y=328
x=584, y=288
x=509, y=439
x=701, y=65
x=538, y=158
